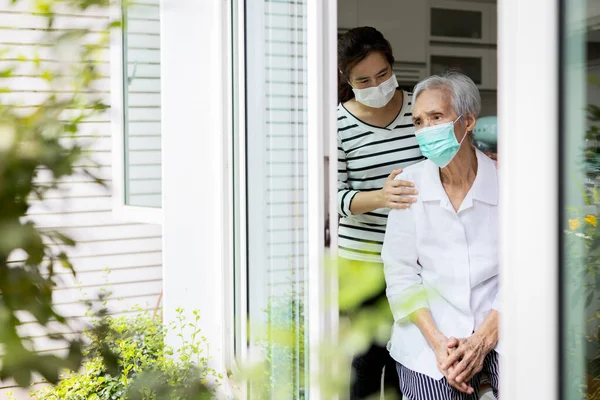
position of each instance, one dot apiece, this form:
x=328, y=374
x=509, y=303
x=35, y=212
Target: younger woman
x=375, y=141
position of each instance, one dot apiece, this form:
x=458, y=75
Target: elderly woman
x=440, y=255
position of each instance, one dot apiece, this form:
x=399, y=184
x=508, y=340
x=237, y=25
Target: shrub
x=148, y=369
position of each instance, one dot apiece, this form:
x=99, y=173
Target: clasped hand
x=460, y=359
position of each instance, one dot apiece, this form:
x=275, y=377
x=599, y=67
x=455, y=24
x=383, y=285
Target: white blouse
x=442, y=260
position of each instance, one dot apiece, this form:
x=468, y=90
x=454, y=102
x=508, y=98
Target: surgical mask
x=377, y=96
x=438, y=143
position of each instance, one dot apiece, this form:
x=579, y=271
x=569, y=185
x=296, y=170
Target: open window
x=136, y=113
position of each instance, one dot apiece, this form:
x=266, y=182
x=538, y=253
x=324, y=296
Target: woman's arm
x=405, y=290
x=395, y=194
x=435, y=339
x=345, y=193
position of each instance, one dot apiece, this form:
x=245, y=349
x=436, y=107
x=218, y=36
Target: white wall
x=131, y=251
x=527, y=85
x=193, y=42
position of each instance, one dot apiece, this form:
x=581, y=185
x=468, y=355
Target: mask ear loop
x=466, y=133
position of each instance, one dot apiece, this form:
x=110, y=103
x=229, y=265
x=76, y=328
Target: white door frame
x=322, y=129
x=528, y=86
x=321, y=113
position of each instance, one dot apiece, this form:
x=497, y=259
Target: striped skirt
x=416, y=386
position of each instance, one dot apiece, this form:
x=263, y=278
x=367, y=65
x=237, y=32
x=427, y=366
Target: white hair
x=465, y=96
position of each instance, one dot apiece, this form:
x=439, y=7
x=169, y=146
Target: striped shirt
x=366, y=156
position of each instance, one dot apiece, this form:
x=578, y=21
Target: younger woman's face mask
x=438, y=143
x=377, y=96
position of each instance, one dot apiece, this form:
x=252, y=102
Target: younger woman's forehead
x=371, y=65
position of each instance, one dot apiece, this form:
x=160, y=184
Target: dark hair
x=353, y=47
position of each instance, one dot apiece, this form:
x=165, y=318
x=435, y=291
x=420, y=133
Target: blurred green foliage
x=283, y=348
x=147, y=368
x=582, y=267
x=39, y=149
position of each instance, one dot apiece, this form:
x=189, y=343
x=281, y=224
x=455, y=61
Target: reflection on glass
x=470, y=66
x=276, y=164
x=456, y=23
x=580, y=195
x=141, y=100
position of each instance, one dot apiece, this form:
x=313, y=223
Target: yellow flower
x=591, y=219
x=574, y=224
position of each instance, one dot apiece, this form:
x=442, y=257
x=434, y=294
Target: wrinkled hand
x=465, y=359
x=493, y=156
x=442, y=351
x=398, y=194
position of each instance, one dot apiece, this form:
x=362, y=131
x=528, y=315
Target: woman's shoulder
x=342, y=114
x=413, y=173
x=346, y=121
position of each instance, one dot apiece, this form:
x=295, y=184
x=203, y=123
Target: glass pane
x=580, y=195
x=456, y=23
x=470, y=66
x=276, y=137
x=141, y=100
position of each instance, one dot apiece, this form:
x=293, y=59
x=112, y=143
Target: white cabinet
x=462, y=21
x=347, y=14
x=477, y=63
x=462, y=36
x=402, y=22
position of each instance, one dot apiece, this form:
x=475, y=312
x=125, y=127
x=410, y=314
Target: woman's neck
x=462, y=170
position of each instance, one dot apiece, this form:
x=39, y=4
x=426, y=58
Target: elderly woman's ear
x=470, y=121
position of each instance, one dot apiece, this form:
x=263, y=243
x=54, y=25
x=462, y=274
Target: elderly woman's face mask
x=438, y=142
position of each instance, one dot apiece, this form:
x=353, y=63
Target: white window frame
x=236, y=269
x=322, y=123
x=237, y=294
x=528, y=85
x=322, y=88
x=121, y=210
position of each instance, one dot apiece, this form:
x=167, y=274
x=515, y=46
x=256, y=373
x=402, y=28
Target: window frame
x=322, y=313
x=528, y=84
x=122, y=211
x=236, y=276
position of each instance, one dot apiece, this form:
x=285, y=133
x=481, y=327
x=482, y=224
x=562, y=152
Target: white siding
x=82, y=209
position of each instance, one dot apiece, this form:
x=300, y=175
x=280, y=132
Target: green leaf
x=66, y=240
x=6, y=73
x=589, y=299
x=47, y=76
x=37, y=60
x=64, y=261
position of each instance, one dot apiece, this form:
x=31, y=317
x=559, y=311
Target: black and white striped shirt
x=366, y=156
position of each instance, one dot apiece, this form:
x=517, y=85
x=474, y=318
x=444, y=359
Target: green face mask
x=438, y=143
